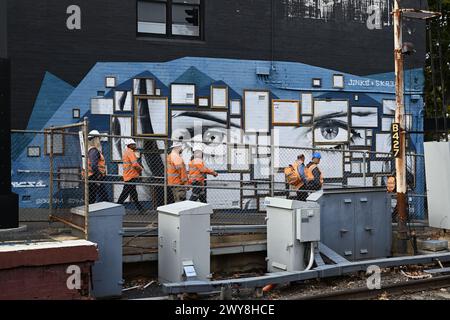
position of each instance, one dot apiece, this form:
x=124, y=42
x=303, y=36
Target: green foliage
x=442, y=26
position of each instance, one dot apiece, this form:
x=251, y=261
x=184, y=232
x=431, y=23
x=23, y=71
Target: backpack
x=291, y=175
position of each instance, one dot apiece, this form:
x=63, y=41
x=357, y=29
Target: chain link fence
x=247, y=173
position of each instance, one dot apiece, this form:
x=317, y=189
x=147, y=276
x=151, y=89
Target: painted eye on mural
x=329, y=130
x=214, y=136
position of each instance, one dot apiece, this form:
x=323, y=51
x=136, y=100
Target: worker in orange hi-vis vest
x=176, y=173
x=314, y=177
x=197, y=174
x=131, y=172
x=96, y=170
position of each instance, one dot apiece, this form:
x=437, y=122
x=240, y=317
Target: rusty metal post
x=400, y=164
x=272, y=166
x=166, y=150
x=51, y=168
x=86, y=181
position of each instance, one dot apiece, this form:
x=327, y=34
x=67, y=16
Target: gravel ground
x=305, y=288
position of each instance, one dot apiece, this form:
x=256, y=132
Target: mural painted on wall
x=218, y=101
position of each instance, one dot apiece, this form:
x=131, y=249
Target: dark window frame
x=169, y=22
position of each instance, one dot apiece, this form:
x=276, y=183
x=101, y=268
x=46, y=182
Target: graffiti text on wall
x=28, y=184
x=371, y=83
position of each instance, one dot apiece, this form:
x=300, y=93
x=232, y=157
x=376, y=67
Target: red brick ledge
x=46, y=253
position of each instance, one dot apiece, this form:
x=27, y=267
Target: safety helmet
x=316, y=155
x=177, y=144
x=130, y=141
x=93, y=133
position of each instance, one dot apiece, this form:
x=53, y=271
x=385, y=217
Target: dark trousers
x=198, y=193
x=97, y=190
x=302, y=195
x=130, y=190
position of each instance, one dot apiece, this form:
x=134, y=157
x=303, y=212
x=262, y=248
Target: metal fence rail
x=247, y=173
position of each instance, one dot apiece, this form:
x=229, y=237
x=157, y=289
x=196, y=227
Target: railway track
x=404, y=287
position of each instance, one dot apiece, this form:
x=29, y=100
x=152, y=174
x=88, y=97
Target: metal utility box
x=184, y=241
x=355, y=222
x=437, y=170
x=105, y=229
x=290, y=223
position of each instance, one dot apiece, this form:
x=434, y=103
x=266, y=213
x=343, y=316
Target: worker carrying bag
x=292, y=176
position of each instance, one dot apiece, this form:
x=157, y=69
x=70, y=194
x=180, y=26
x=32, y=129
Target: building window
x=169, y=18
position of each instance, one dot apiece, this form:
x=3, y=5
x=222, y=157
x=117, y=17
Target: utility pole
x=400, y=160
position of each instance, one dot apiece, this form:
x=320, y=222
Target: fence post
x=364, y=168
x=50, y=184
x=86, y=181
x=166, y=142
x=272, y=167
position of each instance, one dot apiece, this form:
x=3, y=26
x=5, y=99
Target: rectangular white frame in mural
x=359, y=141
x=291, y=137
x=157, y=111
x=149, y=87
x=322, y=108
x=219, y=96
x=368, y=120
x=120, y=125
x=102, y=106
x=203, y=102
x=235, y=107
x=285, y=112
x=58, y=143
x=383, y=144
x=110, y=81
x=389, y=107
x=123, y=101
x=256, y=110
x=338, y=81
x=386, y=123
x=306, y=103
x=239, y=158
x=334, y=171
x=182, y=94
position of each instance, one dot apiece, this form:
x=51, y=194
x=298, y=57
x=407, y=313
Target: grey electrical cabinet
x=105, y=229
x=355, y=222
x=290, y=224
x=437, y=170
x=184, y=241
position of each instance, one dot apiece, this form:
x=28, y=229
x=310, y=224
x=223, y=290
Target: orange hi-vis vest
x=309, y=173
x=292, y=176
x=101, y=164
x=197, y=171
x=131, y=167
x=176, y=169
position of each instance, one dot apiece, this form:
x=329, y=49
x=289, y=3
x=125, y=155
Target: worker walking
x=295, y=176
x=131, y=172
x=314, y=177
x=176, y=173
x=197, y=175
x=96, y=170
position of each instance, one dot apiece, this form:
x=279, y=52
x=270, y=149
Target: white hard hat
x=177, y=144
x=130, y=141
x=92, y=134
